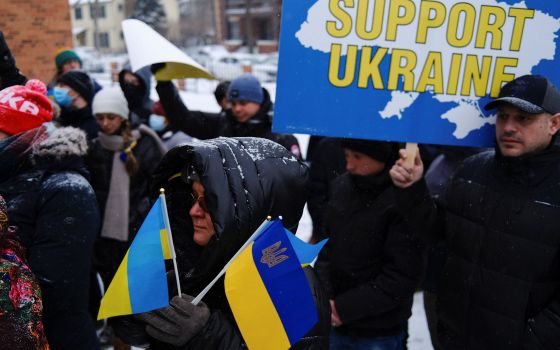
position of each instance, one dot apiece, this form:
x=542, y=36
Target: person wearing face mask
x=160, y=123
x=136, y=88
x=74, y=93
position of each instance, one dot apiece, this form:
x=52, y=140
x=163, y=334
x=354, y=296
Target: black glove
x=156, y=67
x=177, y=323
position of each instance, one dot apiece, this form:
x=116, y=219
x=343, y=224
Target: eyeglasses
x=195, y=198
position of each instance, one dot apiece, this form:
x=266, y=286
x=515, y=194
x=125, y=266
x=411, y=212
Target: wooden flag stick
x=411, y=151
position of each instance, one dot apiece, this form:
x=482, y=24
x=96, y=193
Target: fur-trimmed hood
x=62, y=142
x=46, y=145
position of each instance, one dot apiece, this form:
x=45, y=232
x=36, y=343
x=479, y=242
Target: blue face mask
x=156, y=122
x=61, y=97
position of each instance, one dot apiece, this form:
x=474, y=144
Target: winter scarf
x=115, y=218
x=117, y=208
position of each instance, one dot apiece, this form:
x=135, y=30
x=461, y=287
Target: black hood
x=245, y=180
x=143, y=99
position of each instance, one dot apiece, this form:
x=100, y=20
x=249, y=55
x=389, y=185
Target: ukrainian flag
x=140, y=284
x=268, y=292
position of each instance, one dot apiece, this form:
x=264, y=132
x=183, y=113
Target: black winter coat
x=372, y=263
x=500, y=286
x=245, y=179
x=80, y=118
x=327, y=163
x=54, y=208
x=203, y=125
x=100, y=164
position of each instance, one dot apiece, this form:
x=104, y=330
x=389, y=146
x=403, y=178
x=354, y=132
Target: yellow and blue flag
x=140, y=283
x=268, y=292
x=305, y=252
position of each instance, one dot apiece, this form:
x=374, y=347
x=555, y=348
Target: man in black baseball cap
x=528, y=115
x=531, y=93
x=498, y=218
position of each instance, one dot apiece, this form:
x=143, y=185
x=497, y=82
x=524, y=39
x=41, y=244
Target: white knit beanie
x=110, y=100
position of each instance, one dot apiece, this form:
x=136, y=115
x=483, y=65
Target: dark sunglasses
x=200, y=199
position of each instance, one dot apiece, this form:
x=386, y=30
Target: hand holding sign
x=404, y=174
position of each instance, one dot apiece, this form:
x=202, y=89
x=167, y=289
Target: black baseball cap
x=530, y=93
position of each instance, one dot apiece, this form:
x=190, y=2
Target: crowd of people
x=81, y=166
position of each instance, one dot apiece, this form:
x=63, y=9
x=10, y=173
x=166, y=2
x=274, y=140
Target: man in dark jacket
x=250, y=114
x=43, y=179
x=500, y=286
x=234, y=184
x=371, y=264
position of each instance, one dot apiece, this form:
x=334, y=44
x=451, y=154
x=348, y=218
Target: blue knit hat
x=245, y=88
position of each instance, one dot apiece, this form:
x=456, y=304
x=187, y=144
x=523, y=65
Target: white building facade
x=106, y=22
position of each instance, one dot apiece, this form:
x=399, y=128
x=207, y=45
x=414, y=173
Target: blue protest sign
x=408, y=70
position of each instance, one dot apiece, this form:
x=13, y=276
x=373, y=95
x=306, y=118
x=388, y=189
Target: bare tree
x=197, y=22
x=150, y=12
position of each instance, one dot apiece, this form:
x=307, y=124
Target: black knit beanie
x=80, y=82
x=385, y=152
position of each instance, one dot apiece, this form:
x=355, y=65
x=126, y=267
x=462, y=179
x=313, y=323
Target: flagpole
x=251, y=239
x=170, y=238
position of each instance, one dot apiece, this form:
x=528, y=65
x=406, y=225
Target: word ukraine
x=468, y=30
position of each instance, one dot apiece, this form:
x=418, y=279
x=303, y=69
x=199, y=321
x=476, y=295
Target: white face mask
x=157, y=122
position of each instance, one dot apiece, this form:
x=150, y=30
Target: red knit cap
x=24, y=108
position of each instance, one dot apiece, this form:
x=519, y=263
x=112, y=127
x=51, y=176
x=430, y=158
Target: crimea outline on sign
x=408, y=70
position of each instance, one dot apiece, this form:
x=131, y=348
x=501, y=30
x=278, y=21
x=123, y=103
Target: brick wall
x=35, y=30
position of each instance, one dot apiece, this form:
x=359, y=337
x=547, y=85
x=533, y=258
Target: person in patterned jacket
x=21, y=305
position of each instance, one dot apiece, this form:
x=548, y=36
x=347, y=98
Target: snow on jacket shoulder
x=245, y=179
x=54, y=208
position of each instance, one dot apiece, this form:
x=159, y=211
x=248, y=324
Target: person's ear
x=554, y=124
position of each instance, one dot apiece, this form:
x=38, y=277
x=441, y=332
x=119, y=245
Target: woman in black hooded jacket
x=244, y=180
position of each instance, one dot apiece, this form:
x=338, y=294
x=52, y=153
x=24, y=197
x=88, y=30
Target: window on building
x=234, y=30
x=78, y=13
x=264, y=28
x=100, y=11
x=103, y=40
x=233, y=4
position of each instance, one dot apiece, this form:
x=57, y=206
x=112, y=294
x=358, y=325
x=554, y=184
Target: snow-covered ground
x=198, y=95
